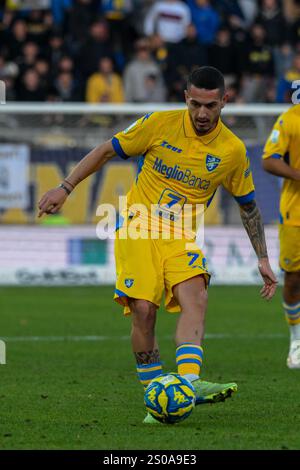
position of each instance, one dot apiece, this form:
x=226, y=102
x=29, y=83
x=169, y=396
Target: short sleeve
x=240, y=182
x=278, y=141
x=137, y=138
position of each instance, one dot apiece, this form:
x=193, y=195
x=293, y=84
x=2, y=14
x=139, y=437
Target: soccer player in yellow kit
x=184, y=156
x=281, y=158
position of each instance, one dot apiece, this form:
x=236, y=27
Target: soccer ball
x=170, y=398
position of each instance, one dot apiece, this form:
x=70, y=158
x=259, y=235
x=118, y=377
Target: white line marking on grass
x=63, y=338
x=15, y=339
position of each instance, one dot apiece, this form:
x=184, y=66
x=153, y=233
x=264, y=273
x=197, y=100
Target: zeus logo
x=2, y=352
x=296, y=94
x=170, y=147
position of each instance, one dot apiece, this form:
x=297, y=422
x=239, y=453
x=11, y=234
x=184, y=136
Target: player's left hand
x=269, y=278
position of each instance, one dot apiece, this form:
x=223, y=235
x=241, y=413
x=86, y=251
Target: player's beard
x=204, y=127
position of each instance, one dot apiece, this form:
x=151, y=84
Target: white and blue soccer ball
x=170, y=398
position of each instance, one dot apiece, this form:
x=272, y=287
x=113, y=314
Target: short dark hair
x=206, y=77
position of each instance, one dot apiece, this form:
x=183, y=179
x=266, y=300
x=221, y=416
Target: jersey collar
x=190, y=132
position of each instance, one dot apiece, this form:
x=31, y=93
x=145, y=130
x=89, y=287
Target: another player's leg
x=191, y=295
x=289, y=262
x=291, y=304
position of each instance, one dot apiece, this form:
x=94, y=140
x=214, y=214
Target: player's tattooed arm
x=147, y=357
x=253, y=224
x=252, y=221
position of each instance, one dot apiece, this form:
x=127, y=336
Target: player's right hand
x=52, y=201
x=269, y=278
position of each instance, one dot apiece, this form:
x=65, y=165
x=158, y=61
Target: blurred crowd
x=114, y=51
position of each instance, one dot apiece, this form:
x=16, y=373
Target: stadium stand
x=50, y=49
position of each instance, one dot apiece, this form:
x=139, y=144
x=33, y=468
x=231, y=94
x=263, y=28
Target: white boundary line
x=138, y=109
x=33, y=339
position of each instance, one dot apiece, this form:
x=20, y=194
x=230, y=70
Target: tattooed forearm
x=149, y=357
x=253, y=224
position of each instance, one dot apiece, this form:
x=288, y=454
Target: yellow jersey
x=178, y=168
x=284, y=143
x=100, y=89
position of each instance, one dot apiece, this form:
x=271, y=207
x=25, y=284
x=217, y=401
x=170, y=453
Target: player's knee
x=144, y=315
x=292, y=286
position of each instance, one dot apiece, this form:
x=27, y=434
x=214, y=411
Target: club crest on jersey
x=212, y=162
x=129, y=282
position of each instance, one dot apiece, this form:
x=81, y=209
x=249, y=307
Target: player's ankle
x=191, y=377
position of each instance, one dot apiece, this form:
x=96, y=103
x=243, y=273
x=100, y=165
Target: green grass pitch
x=72, y=393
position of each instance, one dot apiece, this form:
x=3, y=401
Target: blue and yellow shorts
x=289, y=237
x=147, y=267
